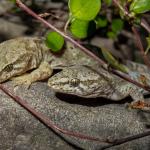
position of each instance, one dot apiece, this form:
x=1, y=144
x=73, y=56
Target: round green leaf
x=84, y=9
x=54, y=41
x=117, y=25
x=14, y=1
x=82, y=29
x=108, y=2
x=140, y=6
x=101, y=21
x=111, y=35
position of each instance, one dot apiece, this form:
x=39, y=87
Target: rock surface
x=19, y=130
x=5, y=5
x=9, y=29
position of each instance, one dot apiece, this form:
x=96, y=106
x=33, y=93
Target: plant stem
x=143, y=24
x=127, y=139
x=45, y=119
x=101, y=62
x=140, y=46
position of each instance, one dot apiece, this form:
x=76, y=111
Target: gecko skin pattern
x=85, y=82
x=23, y=54
x=17, y=56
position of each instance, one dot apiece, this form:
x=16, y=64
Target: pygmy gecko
x=23, y=54
x=86, y=82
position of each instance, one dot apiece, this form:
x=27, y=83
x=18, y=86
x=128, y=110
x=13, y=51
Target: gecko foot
x=22, y=80
x=142, y=105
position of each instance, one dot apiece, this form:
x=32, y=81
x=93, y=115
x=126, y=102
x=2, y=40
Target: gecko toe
x=141, y=105
x=21, y=81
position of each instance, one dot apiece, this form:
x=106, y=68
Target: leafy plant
x=82, y=29
x=85, y=18
x=84, y=9
x=130, y=15
x=116, y=27
x=140, y=6
x=54, y=41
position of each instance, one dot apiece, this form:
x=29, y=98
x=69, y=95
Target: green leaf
x=82, y=29
x=108, y=2
x=54, y=41
x=148, y=45
x=117, y=25
x=140, y=6
x=111, y=35
x=84, y=9
x=101, y=21
x=113, y=62
x=14, y=1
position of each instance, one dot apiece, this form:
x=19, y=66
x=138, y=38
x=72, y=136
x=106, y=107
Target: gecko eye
x=8, y=68
x=74, y=82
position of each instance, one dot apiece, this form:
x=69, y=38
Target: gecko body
x=18, y=56
x=21, y=55
x=86, y=82
x=26, y=60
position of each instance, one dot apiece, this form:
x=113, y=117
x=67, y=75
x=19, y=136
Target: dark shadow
x=3, y=37
x=94, y=102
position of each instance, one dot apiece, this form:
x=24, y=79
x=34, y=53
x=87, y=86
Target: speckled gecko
x=23, y=54
x=18, y=56
x=86, y=82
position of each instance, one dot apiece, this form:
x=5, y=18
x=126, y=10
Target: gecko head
x=14, y=60
x=13, y=67
x=74, y=81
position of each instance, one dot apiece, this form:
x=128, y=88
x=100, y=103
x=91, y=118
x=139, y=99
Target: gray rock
x=11, y=29
x=19, y=130
x=10, y=26
x=5, y=5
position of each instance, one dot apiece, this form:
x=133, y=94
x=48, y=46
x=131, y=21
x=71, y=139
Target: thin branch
x=127, y=139
x=29, y=11
x=127, y=78
x=122, y=9
x=102, y=63
x=140, y=46
x=46, y=120
x=143, y=24
x=57, y=129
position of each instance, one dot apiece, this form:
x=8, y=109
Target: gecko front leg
x=44, y=71
x=136, y=94
x=138, y=99
x=85, y=82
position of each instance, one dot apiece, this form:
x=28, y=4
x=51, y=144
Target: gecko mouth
x=4, y=76
x=69, y=91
